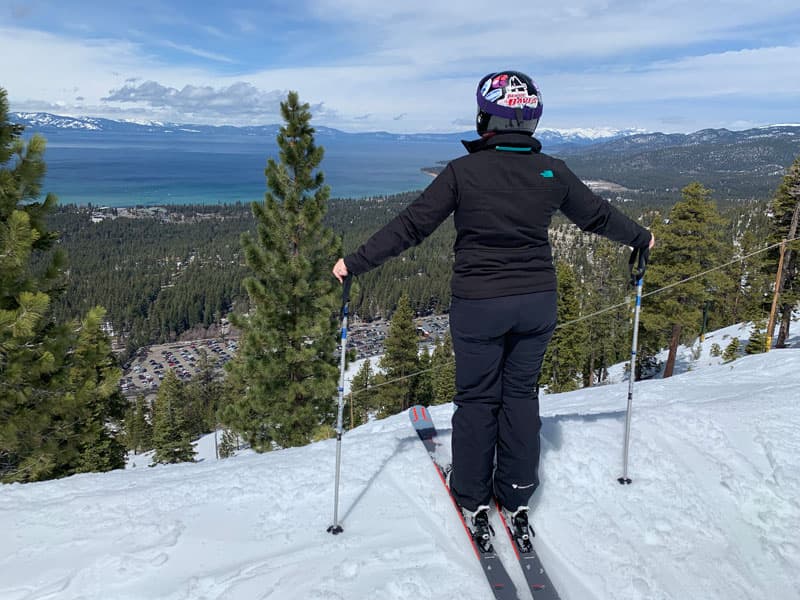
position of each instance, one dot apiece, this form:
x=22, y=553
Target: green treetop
x=688, y=242
x=171, y=438
x=567, y=349
x=360, y=394
x=444, y=371
x=286, y=364
x=400, y=360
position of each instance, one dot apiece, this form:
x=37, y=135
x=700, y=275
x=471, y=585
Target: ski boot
x=519, y=528
x=479, y=527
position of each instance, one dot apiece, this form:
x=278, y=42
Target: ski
x=540, y=585
x=496, y=574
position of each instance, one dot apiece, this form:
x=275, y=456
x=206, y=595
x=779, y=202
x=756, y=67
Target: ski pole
x=336, y=527
x=636, y=265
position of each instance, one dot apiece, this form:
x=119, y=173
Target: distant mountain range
x=45, y=122
x=735, y=164
x=652, y=141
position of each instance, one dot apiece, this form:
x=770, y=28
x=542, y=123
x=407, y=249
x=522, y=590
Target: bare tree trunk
x=783, y=330
x=589, y=381
x=673, y=350
x=790, y=271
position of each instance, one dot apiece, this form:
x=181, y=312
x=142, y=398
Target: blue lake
x=127, y=169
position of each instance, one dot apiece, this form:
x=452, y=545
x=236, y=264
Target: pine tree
x=171, y=439
x=689, y=242
x=400, y=360
x=731, y=351
x=286, y=359
x=360, y=394
x=229, y=444
x=138, y=427
x=608, y=333
x=204, y=397
x=567, y=348
x=423, y=383
x=59, y=405
x=747, y=297
x=94, y=388
x=444, y=371
x=758, y=338
x=785, y=211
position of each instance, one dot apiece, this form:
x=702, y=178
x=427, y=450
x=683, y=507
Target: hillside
x=711, y=514
x=654, y=167
x=735, y=164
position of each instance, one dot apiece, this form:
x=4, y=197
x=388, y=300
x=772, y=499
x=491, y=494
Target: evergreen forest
x=164, y=275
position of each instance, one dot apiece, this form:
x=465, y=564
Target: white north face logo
x=516, y=486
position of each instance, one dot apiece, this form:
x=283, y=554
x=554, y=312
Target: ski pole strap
x=637, y=264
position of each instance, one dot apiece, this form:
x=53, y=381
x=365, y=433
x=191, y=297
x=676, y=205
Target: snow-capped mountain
x=615, y=140
x=644, y=141
x=584, y=136
x=48, y=122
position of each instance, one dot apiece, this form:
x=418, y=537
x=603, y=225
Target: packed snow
x=712, y=513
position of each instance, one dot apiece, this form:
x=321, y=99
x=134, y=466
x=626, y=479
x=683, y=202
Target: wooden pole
x=775, y=296
x=779, y=278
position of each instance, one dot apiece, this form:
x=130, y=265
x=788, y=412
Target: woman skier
x=503, y=194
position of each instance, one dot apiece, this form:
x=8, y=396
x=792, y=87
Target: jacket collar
x=518, y=140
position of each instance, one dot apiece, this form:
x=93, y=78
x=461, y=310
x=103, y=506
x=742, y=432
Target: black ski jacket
x=504, y=194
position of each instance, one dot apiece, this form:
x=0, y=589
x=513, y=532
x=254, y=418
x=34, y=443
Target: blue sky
x=408, y=66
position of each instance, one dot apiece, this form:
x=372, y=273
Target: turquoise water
x=116, y=169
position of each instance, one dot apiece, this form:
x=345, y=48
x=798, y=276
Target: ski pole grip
x=348, y=281
x=637, y=264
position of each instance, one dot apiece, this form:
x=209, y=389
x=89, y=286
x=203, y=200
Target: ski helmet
x=508, y=101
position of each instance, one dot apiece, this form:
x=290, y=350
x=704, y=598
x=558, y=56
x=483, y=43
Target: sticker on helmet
x=500, y=81
x=494, y=95
x=519, y=100
x=516, y=94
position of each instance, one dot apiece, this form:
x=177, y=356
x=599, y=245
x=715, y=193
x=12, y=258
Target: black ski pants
x=499, y=346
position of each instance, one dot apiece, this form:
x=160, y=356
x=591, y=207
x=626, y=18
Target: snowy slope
x=713, y=511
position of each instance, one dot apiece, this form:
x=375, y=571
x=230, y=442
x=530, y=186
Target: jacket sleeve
x=592, y=213
x=416, y=222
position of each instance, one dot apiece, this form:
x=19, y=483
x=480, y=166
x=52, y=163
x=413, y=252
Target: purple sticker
x=500, y=81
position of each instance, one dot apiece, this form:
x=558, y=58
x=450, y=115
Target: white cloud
x=751, y=74
x=40, y=68
x=418, y=63
x=431, y=33
x=196, y=51
x=240, y=100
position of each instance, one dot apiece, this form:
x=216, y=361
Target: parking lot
x=145, y=372
x=367, y=337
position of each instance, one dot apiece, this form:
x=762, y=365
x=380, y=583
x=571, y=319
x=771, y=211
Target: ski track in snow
x=712, y=513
